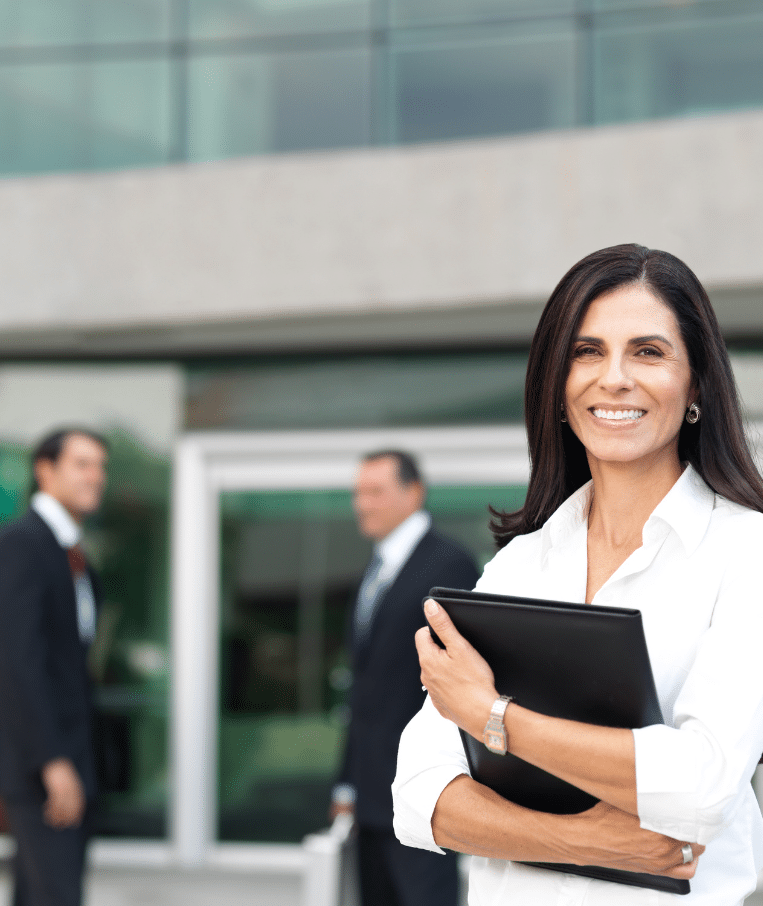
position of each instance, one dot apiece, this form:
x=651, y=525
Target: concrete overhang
x=433, y=245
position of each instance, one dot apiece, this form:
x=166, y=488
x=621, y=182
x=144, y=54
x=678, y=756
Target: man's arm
x=26, y=705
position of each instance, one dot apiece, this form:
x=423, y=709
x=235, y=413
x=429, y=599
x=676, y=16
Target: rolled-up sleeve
x=691, y=778
x=430, y=756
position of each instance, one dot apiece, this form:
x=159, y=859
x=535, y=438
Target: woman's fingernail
x=431, y=608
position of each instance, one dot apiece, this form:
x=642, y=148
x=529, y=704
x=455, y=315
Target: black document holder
x=573, y=661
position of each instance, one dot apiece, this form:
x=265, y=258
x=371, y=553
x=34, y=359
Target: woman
x=642, y=494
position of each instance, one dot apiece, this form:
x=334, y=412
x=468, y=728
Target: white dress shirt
x=68, y=534
x=697, y=581
x=396, y=549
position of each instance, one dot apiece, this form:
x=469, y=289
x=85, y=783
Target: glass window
x=436, y=12
x=242, y=18
x=290, y=563
x=262, y=103
x=748, y=371
x=498, y=85
x=682, y=66
x=84, y=116
x=35, y=22
x=645, y=4
x=446, y=388
x=137, y=408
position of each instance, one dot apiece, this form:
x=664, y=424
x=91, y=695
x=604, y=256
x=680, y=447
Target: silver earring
x=693, y=413
x=564, y=414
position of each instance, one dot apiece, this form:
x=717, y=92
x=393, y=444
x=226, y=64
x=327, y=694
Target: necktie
x=371, y=590
x=83, y=591
x=77, y=562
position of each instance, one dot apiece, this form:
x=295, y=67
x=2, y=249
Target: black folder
x=573, y=661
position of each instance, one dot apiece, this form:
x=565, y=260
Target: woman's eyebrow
x=651, y=339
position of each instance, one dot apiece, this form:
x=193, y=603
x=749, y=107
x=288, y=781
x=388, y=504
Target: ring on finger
x=687, y=853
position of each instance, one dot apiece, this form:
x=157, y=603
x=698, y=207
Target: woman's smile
x=617, y=415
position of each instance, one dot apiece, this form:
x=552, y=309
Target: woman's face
x=630, y=382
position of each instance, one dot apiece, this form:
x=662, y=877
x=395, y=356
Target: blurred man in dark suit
x=409, y=558
x=48, y=598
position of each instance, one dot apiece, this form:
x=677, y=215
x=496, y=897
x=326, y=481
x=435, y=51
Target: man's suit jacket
x=386, y=690
x=45, y=692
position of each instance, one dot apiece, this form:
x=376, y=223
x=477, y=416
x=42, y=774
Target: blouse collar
x=686, y=509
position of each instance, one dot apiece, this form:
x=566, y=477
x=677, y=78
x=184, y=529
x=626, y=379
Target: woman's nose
x=615, y=374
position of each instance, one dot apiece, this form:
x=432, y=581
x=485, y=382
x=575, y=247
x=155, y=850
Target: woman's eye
x=583, y=351
x=650, y=351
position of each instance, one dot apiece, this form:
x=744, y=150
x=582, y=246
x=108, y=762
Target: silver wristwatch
x=494, y=736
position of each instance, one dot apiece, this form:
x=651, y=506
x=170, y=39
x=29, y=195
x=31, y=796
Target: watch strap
x=494, y=735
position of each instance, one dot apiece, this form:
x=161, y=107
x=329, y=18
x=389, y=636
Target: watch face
x=495, y=741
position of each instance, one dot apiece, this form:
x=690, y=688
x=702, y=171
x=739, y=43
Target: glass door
x=290, y=561
x=265, y=562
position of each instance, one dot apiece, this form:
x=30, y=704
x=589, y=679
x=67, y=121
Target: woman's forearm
x=599, y=760
x=472, y=819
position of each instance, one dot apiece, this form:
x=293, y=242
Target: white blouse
x=697, y=581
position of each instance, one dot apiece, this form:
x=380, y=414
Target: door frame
x=207, y=464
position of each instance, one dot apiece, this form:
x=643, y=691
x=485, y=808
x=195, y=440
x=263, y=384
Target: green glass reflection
x=129, y=659
x=358, y=391
x=258, y=103
x=748, y=373
x=40, y=22
x=680, y=64
x=84, y=116
x=240, y=18
x=438, y=12
x=510, y=80
x=290, y=563
x=643, y=4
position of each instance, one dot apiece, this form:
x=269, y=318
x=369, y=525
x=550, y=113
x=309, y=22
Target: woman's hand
x=604, y=835
x=458, y=679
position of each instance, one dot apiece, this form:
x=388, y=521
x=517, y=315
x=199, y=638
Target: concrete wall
x=369, y=245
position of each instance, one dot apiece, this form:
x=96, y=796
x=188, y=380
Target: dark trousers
x=49, y=863
x=395, y=875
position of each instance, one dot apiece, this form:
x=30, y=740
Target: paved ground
x=112, y=887
x=151, y=887
x=154, y=887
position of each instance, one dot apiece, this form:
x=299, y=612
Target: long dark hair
x=716, y=446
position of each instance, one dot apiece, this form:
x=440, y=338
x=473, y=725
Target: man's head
x=388, y=489
x=70, y=465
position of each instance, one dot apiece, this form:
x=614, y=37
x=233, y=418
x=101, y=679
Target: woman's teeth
x=619, y=415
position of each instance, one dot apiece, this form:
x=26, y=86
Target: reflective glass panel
x=289, y=568
x=357, y=391
x=241, y=18
x=687, y=66
x=263, y=103
x=35, y=22
x=137, y=408
x=459, y=89
x=647, y=4
x=748, y=371
x=84, y=116
x=436, y=12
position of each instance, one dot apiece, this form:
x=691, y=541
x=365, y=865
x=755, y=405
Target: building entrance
x=266, y=560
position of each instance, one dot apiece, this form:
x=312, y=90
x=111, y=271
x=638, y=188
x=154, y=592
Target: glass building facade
x=100, y=84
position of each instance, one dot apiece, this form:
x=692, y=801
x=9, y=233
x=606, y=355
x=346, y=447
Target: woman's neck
x=624, y=496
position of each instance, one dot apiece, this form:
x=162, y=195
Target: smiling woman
x=634, y=501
